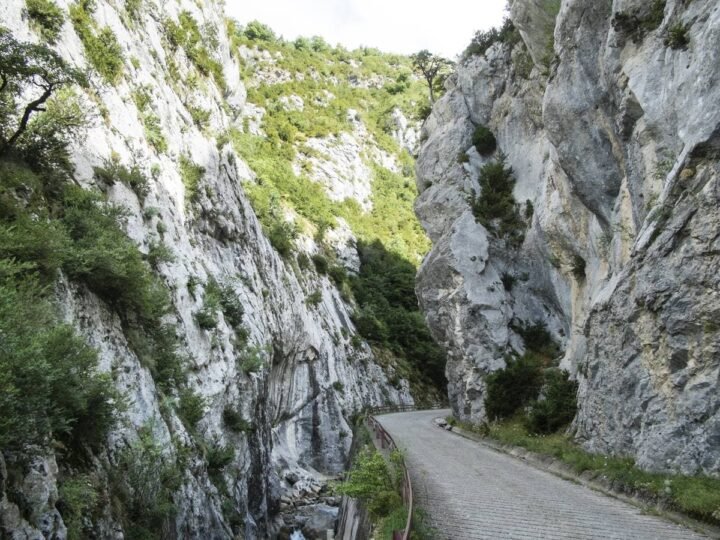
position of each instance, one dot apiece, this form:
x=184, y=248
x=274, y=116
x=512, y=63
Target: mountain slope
x=226, y=359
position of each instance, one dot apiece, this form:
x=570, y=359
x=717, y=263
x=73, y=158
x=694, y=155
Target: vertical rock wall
x=613, y=138
x=315, y=376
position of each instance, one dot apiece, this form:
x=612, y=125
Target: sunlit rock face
x=312, y=375
x=613, y=138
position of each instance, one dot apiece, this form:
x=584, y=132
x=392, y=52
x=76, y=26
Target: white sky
x=402, y=26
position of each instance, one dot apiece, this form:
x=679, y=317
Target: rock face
x=615, y=142
x=295, y=403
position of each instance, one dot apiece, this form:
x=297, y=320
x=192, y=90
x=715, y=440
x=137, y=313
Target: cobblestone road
x=471, y=491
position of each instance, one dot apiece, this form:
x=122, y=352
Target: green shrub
x=106, y=260
x=538, y=340
x=191, y=175
x=200, y=116
x=159, y=253
x=231, y=306
x=235, y=422
x=321, y=264
x=369, y=480
x=191, y=408
x=207, y=318
x=156, y=347
x=678, y=36
x=133, y=8
x=483, y=40
x=282, y=235
x=338, y=274
x=314, y=298
x=49, y=387
x=495, y=207
x=78, y=497
x=101, y=47
x=257, y=31
x=47, y=16
x=484, y=141
x=303, y=261
x=144, y=483
x=219, y=457
x=252, y=360
x=42, y=244
x=513, y=387
x=154, y=132
x=132, y=177
x=558, y=405
x=338, y=386
x=186, y=34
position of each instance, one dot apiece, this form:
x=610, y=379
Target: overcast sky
x=403, y=26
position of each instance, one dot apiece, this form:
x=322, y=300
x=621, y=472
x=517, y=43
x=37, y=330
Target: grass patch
x=48, y=17
x=186, y=34
x=101, y=45
x=696, y=496
x=191, y=175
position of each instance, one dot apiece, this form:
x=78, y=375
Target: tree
x=257, y=31
x=432, y=67
x=27, y=65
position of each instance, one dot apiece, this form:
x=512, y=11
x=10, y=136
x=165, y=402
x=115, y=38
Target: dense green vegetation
x=483, y=40
x=370, y=481
x=531, y=386
x=49, y=387
x=392, y=242
x=389, y=316
x=484, y=141
x=47, y=16
x=495, y=207
x=376, y=480
x=51, y=392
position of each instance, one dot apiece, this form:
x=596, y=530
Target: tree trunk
x=31, y=107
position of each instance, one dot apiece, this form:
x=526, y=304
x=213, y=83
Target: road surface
x=470, y=491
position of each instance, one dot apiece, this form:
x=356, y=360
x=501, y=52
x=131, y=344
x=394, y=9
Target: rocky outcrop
x=614, y=142
x=312, y=372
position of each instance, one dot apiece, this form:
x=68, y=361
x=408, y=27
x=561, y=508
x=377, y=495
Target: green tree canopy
x=28, y=66
x=433, y=68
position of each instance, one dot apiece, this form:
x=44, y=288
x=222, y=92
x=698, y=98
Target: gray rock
x=617, y=150
x=296, y=412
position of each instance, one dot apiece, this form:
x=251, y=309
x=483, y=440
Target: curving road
x=471, y=491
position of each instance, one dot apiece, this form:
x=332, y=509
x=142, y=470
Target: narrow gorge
x=219, y=247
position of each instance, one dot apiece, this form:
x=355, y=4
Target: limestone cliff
x=300, y=371
x=608, y=114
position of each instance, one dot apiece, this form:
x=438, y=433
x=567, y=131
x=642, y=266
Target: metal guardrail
x=387, y=443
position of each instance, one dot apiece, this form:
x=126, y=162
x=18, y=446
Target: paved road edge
x=561, y=470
